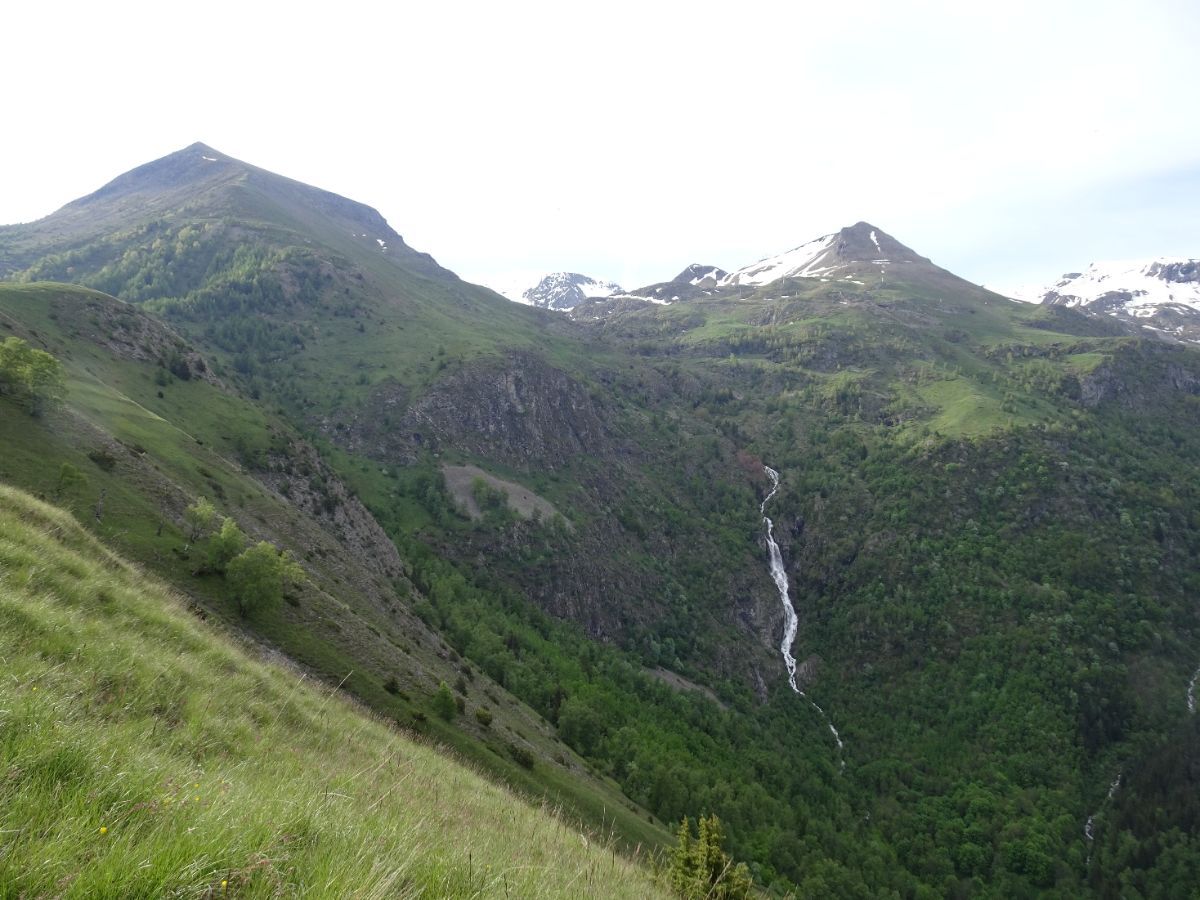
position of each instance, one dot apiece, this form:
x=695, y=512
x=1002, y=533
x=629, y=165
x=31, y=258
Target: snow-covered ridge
x=810, y=260
x=1134, y=287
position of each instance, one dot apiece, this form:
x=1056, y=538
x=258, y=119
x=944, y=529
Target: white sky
x=1009, y=141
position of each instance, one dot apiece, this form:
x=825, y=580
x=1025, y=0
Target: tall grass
x=143, y=754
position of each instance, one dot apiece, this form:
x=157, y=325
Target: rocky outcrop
x=128, y=333
x=517, y=410
x=1137, y=378
x=311, y=486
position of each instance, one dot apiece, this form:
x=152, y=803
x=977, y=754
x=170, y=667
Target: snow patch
x=810, y=260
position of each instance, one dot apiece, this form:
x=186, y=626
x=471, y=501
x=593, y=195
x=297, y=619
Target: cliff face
x=517, y=410
x=312, y=487
x=1136, y=377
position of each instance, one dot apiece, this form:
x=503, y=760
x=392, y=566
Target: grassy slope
x=932, y=363
x=147, y=754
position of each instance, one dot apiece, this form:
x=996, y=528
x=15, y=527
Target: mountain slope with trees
x=985, y=513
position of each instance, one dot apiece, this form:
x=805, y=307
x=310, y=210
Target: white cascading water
x=790, y=622
x=1089, y=828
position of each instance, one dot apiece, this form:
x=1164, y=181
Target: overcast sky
x=1008, y=141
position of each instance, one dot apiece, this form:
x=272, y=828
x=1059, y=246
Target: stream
x=790, y=621
x=1089, y=828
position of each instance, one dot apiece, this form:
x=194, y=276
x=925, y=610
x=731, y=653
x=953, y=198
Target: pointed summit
x=201, y=183
x=858, y=253
x=863, y=242
x=192, y=166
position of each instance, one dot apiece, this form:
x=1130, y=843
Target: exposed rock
x=517, y=410
x=128, y=333
x=312, y=487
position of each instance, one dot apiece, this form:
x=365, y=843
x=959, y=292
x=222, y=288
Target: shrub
x=69, y=478
x=257, y=575
x=443, y=703
x=33, y=376
x=103, y=459
x=199, y=518
x=225, y=545
x=521, y=755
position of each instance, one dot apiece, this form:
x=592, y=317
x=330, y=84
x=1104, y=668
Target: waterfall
x=790, y=621
x=1089, y=827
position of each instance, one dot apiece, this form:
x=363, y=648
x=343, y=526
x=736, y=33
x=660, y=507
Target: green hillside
x=148, y=754
x=986, y=514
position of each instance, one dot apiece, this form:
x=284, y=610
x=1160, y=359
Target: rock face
x=1157, y=295
x=517, y=410
x=128, y=333
x=1136, y=376
x=566, y=290
x=311, y=486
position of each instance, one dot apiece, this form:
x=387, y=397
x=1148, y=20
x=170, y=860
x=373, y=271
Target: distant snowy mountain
x=697, y=280
x=700, y=276
x=1157, y=294
x=859, y=257
x=566, y=290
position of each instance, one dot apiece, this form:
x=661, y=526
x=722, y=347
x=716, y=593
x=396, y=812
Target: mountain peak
x=700, y=275
x=858, y=250
x=199, y=147
x=864, y=242
x=565, y=290
x=195, y=164
x=200, y=181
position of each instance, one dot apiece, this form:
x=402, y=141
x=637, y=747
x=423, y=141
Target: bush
x=225, y=545
x=103, y=459
x=443, y=703
x=33, y=376
x=69, y=478
x=199, y=518
x=522, y=756
x=257, y=575
x=483, y=717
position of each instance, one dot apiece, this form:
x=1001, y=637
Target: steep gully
x=1089, y=827
x=790, y=622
